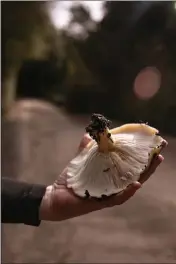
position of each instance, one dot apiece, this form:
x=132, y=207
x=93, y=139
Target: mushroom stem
x=105, y=143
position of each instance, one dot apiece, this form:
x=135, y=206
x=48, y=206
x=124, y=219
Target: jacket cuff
x=31, y=204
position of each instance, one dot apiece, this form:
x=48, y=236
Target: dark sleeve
x=20, y=202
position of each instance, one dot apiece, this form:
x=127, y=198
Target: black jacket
x=20, y=202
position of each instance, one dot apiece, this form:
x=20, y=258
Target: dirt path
x=141, y=231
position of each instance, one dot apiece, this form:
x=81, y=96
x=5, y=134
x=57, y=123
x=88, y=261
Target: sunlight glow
x=60, y=15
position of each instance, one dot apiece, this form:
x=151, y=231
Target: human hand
x=60, y=203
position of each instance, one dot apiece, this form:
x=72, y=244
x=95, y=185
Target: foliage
x=126, y=41
x=26, y=33
x=102, y=60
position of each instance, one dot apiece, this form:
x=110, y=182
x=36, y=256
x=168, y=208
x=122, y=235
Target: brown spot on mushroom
x=104, y=196
x=87, y=194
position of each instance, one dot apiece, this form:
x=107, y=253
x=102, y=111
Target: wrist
x=45, y=206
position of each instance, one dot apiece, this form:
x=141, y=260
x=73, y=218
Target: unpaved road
x=141, y=231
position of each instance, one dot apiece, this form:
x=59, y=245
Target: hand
x=60, y=203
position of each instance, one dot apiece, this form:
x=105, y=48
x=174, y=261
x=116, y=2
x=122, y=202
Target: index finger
x=123, y=196
x=157, y=160
x=93, y=204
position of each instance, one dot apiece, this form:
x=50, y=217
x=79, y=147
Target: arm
x=21, y=202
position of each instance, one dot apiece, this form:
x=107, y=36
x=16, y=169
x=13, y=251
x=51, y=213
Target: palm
x=65, y=204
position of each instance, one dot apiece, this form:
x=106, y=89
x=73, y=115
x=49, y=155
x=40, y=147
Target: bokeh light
x=147, y=83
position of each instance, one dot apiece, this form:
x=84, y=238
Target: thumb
x=125, y=195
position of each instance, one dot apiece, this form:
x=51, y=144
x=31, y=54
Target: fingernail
x=160, y=157
x=137, y=184
x=165, y=143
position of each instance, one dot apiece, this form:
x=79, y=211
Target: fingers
x=157, y=160
x=164, y=144
x=123, y=196
x=117, y=199
x=155, y=163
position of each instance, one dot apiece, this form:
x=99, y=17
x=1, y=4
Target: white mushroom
x=113, y=159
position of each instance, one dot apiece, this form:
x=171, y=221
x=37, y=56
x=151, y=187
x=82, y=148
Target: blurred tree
x=80, y=14
x=26, y=33
x=150, y=45
x=103, y=51
x=80, y=81
x=81, y=22
x=40, y=79
x=131, y=36
x=103, y=59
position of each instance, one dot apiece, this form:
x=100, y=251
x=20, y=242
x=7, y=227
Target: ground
x=140, y=231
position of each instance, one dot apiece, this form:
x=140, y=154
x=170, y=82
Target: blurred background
x=61, y=61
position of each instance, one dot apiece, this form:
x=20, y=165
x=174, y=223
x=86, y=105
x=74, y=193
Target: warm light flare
x=60, y=15
x=147, y=83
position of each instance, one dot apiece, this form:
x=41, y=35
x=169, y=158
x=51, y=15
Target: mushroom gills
x=103, y=174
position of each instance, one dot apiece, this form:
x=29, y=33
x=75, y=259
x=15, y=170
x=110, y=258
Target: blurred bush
x=27, y=34
x=93, y=68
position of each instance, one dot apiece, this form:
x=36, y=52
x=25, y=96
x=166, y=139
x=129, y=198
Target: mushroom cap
x=96, y=174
